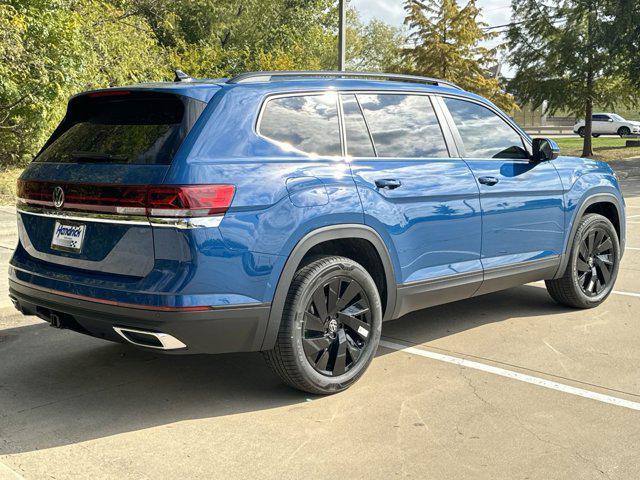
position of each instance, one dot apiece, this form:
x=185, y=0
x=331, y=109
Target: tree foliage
x=624, y=37
x=562, y=53
x=449, y=42
x=375, y=46
x=52, y=49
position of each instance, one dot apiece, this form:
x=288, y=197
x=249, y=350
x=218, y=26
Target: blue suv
x=293, y=212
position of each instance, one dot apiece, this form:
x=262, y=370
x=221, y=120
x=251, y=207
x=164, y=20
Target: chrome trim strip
x=180, y=223
x=167, y=341
x=83, y=216
x=186, y=223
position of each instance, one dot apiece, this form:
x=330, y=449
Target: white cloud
x=495, y=12
x=390, y=11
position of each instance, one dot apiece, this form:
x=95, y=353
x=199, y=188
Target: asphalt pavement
x=504, y=386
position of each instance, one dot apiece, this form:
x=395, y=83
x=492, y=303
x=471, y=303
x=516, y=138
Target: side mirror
x=544, y=149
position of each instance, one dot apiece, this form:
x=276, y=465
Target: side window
x=484, y=134
x=358, y=139
x=403, y=126
x=306, y=123
x=600, y=118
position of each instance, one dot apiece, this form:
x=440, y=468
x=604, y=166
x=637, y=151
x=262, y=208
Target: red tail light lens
x=189, y=201
x=154, y=201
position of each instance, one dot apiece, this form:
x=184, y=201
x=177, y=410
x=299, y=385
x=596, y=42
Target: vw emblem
x=58, y=197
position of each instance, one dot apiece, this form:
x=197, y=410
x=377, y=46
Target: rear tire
x=593, y=265
x=330, y=327
x=623, y=131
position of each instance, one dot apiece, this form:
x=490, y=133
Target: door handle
x=488, y=180
x=388, y=183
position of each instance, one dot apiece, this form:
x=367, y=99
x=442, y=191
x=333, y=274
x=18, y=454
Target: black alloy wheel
x=330, y=327
x=595, y=262
x=336, y=326
x=592, y=264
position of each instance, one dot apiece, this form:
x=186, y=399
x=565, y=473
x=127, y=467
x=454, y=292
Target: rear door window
x=403, y=126
x=122, y=127
x=356, y=131
x=484, y=134
x=306, y=123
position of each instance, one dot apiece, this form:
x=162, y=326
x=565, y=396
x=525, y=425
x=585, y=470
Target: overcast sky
x=495, y=12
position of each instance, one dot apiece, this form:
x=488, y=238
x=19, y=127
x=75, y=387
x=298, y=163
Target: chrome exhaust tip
x=145, y=338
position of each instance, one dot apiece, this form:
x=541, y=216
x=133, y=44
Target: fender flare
x=597, y=198
x=313, y=238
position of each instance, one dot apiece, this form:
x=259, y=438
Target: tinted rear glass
x=403, y=126
x=308, y=123
x=134, y=128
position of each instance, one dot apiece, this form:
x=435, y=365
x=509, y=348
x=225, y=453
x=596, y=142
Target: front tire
x=593, y=265
x=330, y=327
x=581, y=132
x=624, y=131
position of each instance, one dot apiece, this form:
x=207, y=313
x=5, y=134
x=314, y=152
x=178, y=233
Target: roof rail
x=251, y=77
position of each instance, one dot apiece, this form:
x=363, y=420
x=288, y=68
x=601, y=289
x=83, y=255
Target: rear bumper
x=237, y=328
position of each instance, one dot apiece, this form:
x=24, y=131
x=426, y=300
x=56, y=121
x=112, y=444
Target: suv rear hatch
x=85, y=200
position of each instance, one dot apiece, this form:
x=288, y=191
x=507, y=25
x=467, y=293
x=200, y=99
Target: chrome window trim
x=453, y=154
x=137, y=220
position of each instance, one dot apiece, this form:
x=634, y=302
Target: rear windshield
x=122, y=127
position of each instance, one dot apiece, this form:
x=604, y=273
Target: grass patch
x=8, y=177
x=604, y=148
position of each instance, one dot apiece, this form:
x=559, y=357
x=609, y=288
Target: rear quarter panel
x=280, y=196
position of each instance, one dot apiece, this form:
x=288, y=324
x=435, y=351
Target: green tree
x=374, y=46
x=448, y=42
x=51, y=50
x=562, y=55
x=624, y=36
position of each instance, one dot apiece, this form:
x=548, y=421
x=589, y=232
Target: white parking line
x=633, y=216
x=541, y=382
x=8, y=473
x=615, y=292
x=628, y=294
x=631, y=248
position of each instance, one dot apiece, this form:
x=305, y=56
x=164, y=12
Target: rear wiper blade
x=98, y=157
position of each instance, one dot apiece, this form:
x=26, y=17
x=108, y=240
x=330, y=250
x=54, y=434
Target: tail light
x=190, y=201
x=175, y=201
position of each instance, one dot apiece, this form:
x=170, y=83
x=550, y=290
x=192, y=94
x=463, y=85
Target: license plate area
x=68, y=236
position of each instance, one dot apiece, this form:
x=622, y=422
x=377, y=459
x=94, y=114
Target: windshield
x=617, y=118
x=140, y=128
